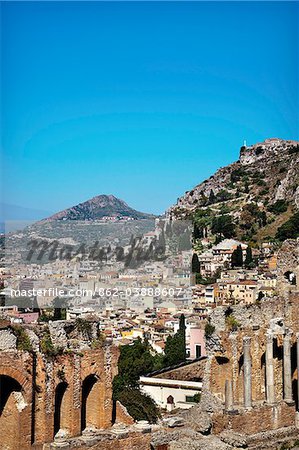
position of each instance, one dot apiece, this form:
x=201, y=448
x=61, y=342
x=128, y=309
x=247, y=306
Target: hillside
x=251, y=197
x=99, y=207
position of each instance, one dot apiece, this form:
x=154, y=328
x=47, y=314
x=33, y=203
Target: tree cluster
x=139, y=359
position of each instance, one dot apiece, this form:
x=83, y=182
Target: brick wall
x=43, y=381
x=260, y=418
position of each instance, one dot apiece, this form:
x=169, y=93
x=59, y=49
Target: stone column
x=247, y=372
x=270, y=387
x=298, y=367
x=229, y=395
x=287, y=369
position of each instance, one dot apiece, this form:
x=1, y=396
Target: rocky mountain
x=260, y=191
x=99, y=207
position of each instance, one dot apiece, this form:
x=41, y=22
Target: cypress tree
x=212, y=197
x=195, y=265
x=237, y=257
x=182, y=333
x=248, y=258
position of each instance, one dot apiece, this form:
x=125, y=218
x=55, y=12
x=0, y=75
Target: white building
x=180, y=394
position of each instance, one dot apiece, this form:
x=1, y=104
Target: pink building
x=195, y=338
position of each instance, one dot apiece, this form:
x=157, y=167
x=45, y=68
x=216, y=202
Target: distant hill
x=99, y=207
x=15, y=217
x=259, y=193
x=9, y=212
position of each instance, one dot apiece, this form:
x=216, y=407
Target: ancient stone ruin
x=52, y=398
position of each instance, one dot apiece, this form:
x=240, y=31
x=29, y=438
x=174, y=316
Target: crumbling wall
x=189, y=372
x=52, y=385
x=260, y=418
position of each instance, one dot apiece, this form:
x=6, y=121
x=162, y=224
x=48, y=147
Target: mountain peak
x=271, y=147
x=98, y=207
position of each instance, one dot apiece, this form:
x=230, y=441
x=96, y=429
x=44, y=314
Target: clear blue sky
x=142, y=100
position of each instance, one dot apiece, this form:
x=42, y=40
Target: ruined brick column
x=298, y=367
x=287, y=370
x=270, y=388
x=229, y=395
x=247, y=372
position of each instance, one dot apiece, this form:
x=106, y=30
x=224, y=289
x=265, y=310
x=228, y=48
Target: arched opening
x=7, y=386
x=58, y=408
x=170, y=400
x=290, y=277
x=89, y=403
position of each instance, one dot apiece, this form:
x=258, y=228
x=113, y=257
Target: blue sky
x=142, y=100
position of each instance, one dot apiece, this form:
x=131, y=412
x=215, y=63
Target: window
x=198, y=351
x=189, y=399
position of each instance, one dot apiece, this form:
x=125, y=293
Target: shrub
x=98, y=342
x=209, y=329
x=290, y=229
x=223, y=196
x=224, y=226
x=84, y=327
x=259, y=150
x=139, y=405
x=46, y=344
x=278, y=207
x=261, y=183
x=232, y=323
x=23, y=341
x=294, y=149
x=237, y=174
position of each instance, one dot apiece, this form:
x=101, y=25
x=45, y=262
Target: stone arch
x=90, y=402
x=61, y=413
x=15, y=412
x=19, y=377
x=8, y=385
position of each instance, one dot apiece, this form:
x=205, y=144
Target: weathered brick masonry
x=41, y=395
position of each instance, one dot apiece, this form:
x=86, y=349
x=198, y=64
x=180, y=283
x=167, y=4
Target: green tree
x=223, y=196
x=278, y=207
x=212, y=197
x=248, y=259
x=237, y=257
x=182, y=332
x=195, y=265
x=175, y=347
x=202, y=220
x=223, y=226
x=139, y=405
x=290, y=229
x=262, y=219
x=209, y=329
x=136, y=360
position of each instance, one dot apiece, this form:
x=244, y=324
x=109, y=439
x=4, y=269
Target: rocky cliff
x=259, y=191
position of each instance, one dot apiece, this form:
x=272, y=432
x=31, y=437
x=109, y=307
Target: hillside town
x=158, y=332
x=147, y=301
